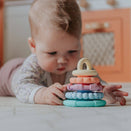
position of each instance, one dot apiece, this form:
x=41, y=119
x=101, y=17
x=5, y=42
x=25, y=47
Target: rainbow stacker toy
x=84, y=89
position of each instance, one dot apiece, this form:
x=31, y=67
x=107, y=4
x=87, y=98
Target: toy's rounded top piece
x=84, y=72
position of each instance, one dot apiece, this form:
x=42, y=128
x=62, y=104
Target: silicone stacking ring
x=82, y=103
x=84, y=91
x=81, y=72
x=81, y=62
x=91, y=87
x=84, y=96
x=86, y=80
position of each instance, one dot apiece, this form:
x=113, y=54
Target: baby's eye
x=72, y=51
x=52, y=53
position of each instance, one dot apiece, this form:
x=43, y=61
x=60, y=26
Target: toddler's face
x=57, y=52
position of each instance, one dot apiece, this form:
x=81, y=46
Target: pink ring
x=86, y=80
x=91, y=87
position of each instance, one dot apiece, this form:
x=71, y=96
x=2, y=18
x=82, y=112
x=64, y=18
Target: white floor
x=16, y=116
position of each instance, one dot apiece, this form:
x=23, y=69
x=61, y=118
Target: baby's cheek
x=75, y=59
x=73, y=63
x=49, y=67
x=46, y=65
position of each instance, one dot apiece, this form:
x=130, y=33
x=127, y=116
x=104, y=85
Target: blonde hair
x=60, y=14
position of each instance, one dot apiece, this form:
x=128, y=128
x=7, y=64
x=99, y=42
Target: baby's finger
x=57, y=101
x=121, y=100
x=120, y=93
x=58, y=93
x=53, y=103
x=54, y=100
x=63, y=88
x=113, y=87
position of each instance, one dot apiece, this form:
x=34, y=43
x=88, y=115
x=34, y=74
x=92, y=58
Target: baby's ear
x=31, y=43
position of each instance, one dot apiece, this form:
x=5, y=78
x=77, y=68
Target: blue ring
x=84, y=91
x=84, y=96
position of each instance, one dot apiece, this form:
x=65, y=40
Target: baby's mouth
x=61, y=69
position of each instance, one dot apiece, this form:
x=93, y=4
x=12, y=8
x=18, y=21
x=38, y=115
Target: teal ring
x=82, y=103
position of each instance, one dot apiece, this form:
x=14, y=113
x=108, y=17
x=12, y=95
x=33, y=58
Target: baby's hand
x=53, y=95
x=112, y=94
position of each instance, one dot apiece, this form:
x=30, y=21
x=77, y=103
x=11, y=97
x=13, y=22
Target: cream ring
x=83, y=80
x=85, y=72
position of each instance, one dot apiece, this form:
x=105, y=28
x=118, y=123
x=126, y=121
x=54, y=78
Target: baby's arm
x=27, y=80
x=112, y=94
x=52, y=95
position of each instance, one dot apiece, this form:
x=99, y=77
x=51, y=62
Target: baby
x=55, y=45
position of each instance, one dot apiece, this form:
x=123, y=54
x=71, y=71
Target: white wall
x=17, y=30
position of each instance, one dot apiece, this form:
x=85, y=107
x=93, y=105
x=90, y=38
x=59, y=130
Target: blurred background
x=105, y=34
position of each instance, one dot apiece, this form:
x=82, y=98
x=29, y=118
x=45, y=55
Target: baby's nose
x=62, y=59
